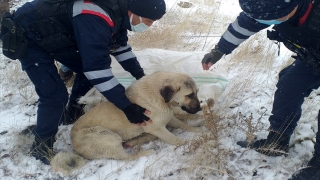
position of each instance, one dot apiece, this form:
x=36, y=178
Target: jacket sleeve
x=93, y=35
x=238, y=31
x=125, y=56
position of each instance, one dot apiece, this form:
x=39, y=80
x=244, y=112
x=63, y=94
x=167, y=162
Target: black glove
x=139, y=75
x=213, y=56
x=135, y=114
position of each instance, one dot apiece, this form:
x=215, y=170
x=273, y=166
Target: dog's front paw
x=146, y=153
x=180, y=142
x=196, y=129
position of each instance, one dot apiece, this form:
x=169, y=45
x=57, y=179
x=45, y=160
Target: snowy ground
x=253, y=72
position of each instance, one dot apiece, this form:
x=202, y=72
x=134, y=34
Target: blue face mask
x=271, y=22
x=139, y=27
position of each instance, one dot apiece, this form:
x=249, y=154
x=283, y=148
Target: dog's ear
x=167, y=92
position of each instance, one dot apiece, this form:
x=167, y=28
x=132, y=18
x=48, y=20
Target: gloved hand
x=135, y=114
x=139, y=75
x=211, y=58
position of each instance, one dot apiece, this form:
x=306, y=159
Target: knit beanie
x=151, y=9
x=268, y=9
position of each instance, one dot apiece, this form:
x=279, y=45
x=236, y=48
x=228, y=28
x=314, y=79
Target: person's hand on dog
x=144, y=123
x=211, y=58
x=136, y=114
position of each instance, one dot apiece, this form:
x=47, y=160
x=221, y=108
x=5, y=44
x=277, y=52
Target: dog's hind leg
x=167, y=136
x=116, y=151
x=123, y=155
x=145, y=138
x=98, y=142
x=176, y=123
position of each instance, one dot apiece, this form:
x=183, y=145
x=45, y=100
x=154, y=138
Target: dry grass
x=210, y=153
x=23, y=86
x=181, y=29
x=253, y=56
x=249, y=125
x=12, y=73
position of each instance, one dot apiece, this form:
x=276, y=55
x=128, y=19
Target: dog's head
x=181, y=90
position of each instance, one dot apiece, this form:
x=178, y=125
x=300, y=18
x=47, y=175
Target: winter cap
x=268, y=9
x=151, y=9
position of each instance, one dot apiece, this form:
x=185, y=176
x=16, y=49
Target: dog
x=100, y=132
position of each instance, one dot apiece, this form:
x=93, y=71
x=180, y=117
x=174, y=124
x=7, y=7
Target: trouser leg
x=295, y=83
x=53, y=97
x=81, y=86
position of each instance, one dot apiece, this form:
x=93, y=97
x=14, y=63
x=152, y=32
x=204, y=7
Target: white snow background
x=253, y=72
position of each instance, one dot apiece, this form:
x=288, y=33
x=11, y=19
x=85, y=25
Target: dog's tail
x=67, y=162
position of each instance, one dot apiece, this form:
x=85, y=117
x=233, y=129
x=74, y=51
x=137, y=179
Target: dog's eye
x=190, y=95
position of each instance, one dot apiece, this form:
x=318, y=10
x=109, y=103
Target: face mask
x=139, y=27
x=270, y=22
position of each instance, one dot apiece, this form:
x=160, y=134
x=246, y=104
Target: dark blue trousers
x=295, y=83
x=53, y=96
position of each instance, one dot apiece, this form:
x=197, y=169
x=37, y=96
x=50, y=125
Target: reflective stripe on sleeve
x=125, y=56
x=231, y=38
x=105, y=86
x=240, y=29
x=98, y=74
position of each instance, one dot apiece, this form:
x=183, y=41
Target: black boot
x=311, y=172
x=275, y=144
x=42, y=149
x=73, y=113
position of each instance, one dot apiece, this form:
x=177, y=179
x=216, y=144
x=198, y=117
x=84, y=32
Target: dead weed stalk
x=208, y=149
x=249, y=126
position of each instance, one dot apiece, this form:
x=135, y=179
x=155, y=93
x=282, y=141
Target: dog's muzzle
x=191, y=110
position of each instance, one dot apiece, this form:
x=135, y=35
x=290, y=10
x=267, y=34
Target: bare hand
x=145, y=123
x=206, y=66
x=147, y=112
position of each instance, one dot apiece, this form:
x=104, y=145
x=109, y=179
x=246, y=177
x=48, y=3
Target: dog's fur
x=100, y=132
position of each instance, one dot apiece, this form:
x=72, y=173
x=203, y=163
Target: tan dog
x=100, y=132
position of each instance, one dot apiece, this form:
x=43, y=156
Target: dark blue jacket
x=94, y=34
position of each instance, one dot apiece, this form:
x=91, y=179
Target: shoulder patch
x=87, y=7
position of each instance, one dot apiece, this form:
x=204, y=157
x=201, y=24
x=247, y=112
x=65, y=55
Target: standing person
x=80, y=34
x=296, y=24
